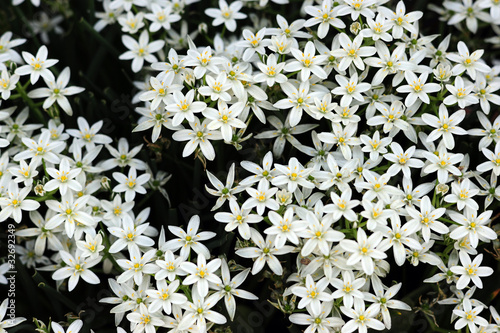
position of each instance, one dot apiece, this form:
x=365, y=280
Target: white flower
x=201, y=274
x=25, y=173
x=262, y=197
x=485, y=92
x=43, y=235
x=417, y=88
x=472, y=226
x=227, y=289
x=312, y=294
x=462, y=194
x=292, y=175
x=253, y=43
x=364, y=250
x=375, y=146
x=325, y=15
x=75, y=327
x=388, y=63
x=63, y=179
x=170, y=267
x=307, y=62
x=44, y=149
x=130, y=184
x=71, y=212
x=469, y=11
x=460, y=93
x=391, y=118
x=226, y=192
x=198, y=136
x=15, y=202
x=283, y=133
x=320, y=322
x=161, y=17
x=319, y=235
x=285, y=227
x=190, y=239
x=297, y=98
x=202, y=61
x=225, y=118
x=264, y=252
x=348, y=288
x=342, y=206
x=108, y=17
x=184, y=107
x=164, y=296
x=471, y=270
x=226, y=14
x=362, y=318
x=91, y=247
x=265, y=171
x=350, y=89
x=446, y=272
x=402, y=160
x=442, y=163
x=446, y=126
x=271, y=71
x=356, y=8
x=127, y=4
x=89, y=134
x=161, y=90
x=140, y=50
x=137, y=267
x=123, y=157
x=466, y=61
x=199, y=312
x=75, y=267
x=115, y=210
x=217, y=88
x=57, y=91
x=344, y=138
x=377, y=29
x=144, y=320
x=7, y=323
x=470, y=317
x=37, y=65
x=7, y=83
x=494, y=160
x=427, y=219
x=400, y=20
x=399, y=235
x=129, y=235
x=383, y=300
x=352, y=51
x=377, y=186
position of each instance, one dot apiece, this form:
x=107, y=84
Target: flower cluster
x=374, y=147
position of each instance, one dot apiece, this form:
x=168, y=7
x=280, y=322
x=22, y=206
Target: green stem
x=99, y=38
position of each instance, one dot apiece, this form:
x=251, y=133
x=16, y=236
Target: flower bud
x=202, y=28
x=39, y=190
x=355, y=28
x=442, y=188
x=105, y=183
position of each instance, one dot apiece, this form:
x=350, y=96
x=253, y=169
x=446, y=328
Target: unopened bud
x=39, y=190
x=355, y=28
x=105, y=183
x=202, y=28
x=442, y=188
